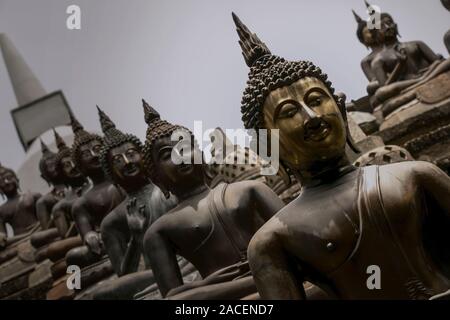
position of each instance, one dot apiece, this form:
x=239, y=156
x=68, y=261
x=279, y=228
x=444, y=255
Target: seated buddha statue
x=124, y=227
x=401, y=65
x=370, y=38
x=89, y=210
x=19, y=210
x=347, y=221
x=210, y=227
x=53, y=176
x=76, y=185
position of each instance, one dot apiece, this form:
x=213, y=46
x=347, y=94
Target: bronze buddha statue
x=400, y=65
x=124, y=227
x=53, y=176
x=89, y=210
x=210, y=227
x=19, y=210
x=76, y=185
x=370, y=38
x=347, y=220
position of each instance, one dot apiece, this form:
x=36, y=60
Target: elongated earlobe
x=283, y=174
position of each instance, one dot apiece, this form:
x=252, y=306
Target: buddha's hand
x=136, y=217
x=94, y=242
x=3, y=241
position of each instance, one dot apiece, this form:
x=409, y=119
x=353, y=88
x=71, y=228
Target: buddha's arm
x=267, y=201
x=367, y=69
x=59, y=217
x=427, y=52
x=378, y=71
x=80, y=214
x=269, y=263
x=435, y=183
x=163, y=260
x=42, y=211
x=115, y=237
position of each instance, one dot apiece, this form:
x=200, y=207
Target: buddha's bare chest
x=17, y=209
x=99, y=201
x=322, y=230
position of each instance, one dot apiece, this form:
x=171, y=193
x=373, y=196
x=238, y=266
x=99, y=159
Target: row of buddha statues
x=190, y=231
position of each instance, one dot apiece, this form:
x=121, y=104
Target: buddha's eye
x=314, y=100
x=117, y=159
x=288, y=111
x=131, y=153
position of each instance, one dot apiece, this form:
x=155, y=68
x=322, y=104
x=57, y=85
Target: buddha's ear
x=341, y=105
x=283, y=174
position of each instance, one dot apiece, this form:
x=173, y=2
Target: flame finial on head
x=60, y=143
x=44, y=148
x=357, y=17
x=75, y=124
x=252, y=47
x=149, y=112
x=105, y=121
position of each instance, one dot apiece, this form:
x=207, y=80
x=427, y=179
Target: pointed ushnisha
x=60, y=143
x=252, y=47
x=150, y=113
x=109, y=129
x=357, y=17
x=45, y=150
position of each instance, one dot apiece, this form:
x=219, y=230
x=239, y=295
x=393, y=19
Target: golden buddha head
x=296, y=98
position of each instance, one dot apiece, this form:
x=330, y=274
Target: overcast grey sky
x=183, y=56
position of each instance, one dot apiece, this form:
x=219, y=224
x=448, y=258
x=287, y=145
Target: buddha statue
x=124, y=227
x=51, y=174
x=76, y=185
x=400, y=65
x=347, y=220
x=19, y=210
x=210, y=227
x=370, y=38
x=446, y=4
x=89, y=210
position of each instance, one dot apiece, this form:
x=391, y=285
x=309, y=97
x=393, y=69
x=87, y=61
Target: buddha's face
x=174, y=176
x=369, y=36
x=388, y=27
x=127, y=163
x=70, y=171
x=8, y=182
x=51, y=168
x=311, y=125
x=90, y=155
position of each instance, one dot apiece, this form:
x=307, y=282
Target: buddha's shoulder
x=408, y=170
x=247, y=187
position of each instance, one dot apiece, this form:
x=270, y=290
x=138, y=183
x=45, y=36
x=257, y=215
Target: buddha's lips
x=131, y=170
x=184, y=168
x=317, y=133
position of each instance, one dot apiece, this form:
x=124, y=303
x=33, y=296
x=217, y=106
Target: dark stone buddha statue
x=347, y=221
x=76, y=185
x=124, y=227
x=19, y=210
x=210, y=227
x=89, y=210
x=53, y=176
x=370, y=38
x=398, y=66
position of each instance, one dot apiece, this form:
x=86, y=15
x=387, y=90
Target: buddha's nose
x=313, y=123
